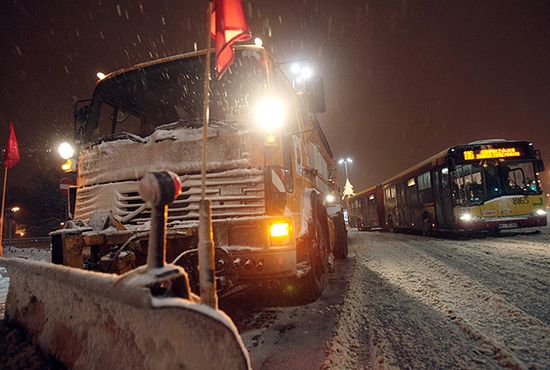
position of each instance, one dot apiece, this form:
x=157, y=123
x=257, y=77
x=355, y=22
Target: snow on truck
x=269, y=170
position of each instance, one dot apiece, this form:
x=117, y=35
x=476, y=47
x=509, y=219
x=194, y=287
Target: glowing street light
x=330, y=198
x=345, y=163
x=100, y=75
x=65, y=150
x=10, y=212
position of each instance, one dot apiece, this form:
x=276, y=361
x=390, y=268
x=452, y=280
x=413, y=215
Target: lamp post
x=10, y=212
x=348, y=188
x=345, y=163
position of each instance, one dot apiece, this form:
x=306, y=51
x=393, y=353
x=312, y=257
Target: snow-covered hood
x=177, y=150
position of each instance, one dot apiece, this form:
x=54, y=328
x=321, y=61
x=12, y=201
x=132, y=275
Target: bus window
x=521, y=179
x=445, y=178
x=412, y=194
x=424, y=181
x=468, y=184
x=492, y=182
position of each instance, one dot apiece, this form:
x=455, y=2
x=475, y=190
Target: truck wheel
x=341, y=238
x=311, y=286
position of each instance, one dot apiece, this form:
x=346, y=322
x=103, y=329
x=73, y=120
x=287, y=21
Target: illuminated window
x=424, y=181
x=411, y=182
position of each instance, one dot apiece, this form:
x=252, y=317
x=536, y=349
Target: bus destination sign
x=491, y=153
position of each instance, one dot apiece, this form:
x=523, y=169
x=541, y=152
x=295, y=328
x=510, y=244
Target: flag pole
x=207, y=279
x=3, y=203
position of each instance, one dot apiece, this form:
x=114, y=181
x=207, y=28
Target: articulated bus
x=486, y=185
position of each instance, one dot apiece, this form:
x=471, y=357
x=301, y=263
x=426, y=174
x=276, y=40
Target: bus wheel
x=427, y=226
x=391, y=227
x=311, y=286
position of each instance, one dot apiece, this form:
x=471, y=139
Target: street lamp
x=348, y=188
x=10, y=212
x=345, y=163
x=65, y=150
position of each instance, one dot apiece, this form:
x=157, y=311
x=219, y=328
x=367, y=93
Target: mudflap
x=94, y=320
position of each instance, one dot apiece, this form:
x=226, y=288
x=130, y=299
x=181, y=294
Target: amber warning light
x=491, y=153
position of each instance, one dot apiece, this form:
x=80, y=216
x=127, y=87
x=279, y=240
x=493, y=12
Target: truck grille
x=234, y=193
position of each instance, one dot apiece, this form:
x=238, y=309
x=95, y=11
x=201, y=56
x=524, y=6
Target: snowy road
x=404, y=301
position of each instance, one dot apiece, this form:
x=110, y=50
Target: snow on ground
x=416, y=302
x=27, y=253
x=405, y=301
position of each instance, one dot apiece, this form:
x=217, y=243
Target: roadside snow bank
x=34, y=254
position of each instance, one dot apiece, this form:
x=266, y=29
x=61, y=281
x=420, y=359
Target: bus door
x=402, y=211
x=436, y=186
x=442, y=197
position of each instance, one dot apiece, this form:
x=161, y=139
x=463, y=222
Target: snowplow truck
x=269, y=170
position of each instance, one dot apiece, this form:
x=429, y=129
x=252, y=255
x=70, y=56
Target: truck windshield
x=474, y=184
x=173, y=92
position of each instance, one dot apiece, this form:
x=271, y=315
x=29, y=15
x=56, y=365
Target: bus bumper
x=503, y=223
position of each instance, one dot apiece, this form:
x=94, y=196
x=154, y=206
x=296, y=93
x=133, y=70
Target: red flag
x=11, y=155
x=227, y=25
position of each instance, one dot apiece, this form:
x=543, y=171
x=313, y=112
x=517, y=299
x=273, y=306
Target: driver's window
x=105, y=122
x=127, y=122
x=522, y=177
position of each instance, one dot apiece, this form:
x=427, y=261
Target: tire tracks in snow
x=518, y=273
x=381, y=326
x=503, y=332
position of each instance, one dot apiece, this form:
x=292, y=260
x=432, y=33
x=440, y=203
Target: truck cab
x=269, y=169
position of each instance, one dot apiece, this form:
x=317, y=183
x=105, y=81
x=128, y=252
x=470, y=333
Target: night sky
x=404, y=79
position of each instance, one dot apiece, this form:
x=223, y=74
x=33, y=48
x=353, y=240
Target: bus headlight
x=541, y=212
x=466, y=217
x=270, y=114
x=279, y=233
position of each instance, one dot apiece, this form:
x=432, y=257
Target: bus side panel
x=380, y=206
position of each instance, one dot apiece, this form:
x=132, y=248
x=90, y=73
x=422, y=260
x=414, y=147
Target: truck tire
x=311, y=286
x=341, y=238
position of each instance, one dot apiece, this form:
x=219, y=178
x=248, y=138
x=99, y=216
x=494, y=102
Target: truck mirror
x=539, y=165
x=315, y=95
x=81, y=114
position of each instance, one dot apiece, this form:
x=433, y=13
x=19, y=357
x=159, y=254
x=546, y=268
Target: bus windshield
x=140, y=100
x=474, y=184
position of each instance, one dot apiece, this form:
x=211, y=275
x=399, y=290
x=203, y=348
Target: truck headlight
x=467, y=217
x=270, y=114
x=541, y=212
x=279, y=233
